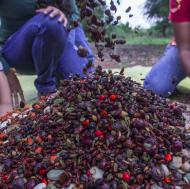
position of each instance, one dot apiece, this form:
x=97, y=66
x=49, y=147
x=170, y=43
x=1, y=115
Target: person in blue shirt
x=34, y=39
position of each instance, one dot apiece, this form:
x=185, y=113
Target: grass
x=27, y=83
x=135, y=39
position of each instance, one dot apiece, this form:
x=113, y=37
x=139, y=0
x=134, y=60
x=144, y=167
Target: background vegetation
x=159, y=34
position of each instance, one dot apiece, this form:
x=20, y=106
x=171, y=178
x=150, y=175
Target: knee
x=52, y=28
x=161, y=88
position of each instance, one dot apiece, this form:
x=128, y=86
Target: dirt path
x=132, y=55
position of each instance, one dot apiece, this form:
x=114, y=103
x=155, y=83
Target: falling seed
x=128, y=10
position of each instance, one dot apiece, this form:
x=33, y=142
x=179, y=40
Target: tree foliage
x=159, y=10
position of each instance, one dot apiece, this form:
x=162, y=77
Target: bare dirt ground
x=133, y=55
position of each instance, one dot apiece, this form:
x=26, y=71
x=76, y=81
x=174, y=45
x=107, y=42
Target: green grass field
x=134, y=39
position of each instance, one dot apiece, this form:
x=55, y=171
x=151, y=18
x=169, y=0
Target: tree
x=159, y=10
x=120, y=30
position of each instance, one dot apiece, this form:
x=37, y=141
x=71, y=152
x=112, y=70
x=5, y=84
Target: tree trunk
x=164, y=31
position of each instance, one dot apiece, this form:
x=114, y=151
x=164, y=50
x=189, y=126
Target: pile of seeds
x=104, y=131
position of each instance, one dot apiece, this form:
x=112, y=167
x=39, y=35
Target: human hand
x=54, y=12
x=15, y=88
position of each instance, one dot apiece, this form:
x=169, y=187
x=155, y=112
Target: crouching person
x=35, y=39
x=167, y=73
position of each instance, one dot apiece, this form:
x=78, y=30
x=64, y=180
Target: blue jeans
x=166, y=74
x=71, y=63
x=44, y=47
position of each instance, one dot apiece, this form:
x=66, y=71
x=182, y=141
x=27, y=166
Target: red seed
x=30, y=141
x=42, y=171
x=99, y=133
x=167, y=180
x=50, y=137
x=5, y=177
x=113, y=97
x=53, y=158
x=86, y=122
x=44, y=181
x=104, y=113
x=38, y=150
x=39, y=139
x=88, y=173
x=102, y=97
x=3, y=136
x=168, y=157
x=126, y=176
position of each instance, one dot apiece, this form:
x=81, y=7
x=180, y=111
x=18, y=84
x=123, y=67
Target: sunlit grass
x=146, y=40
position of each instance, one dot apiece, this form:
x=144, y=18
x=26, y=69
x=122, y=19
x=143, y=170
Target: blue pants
x=166, y=74
x=44, y=47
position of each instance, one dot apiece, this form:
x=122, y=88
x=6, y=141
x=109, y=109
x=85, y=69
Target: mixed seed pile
x=101, y=132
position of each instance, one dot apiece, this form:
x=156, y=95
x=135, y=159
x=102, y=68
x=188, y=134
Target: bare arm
x=182, y=35
x=5, y=95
